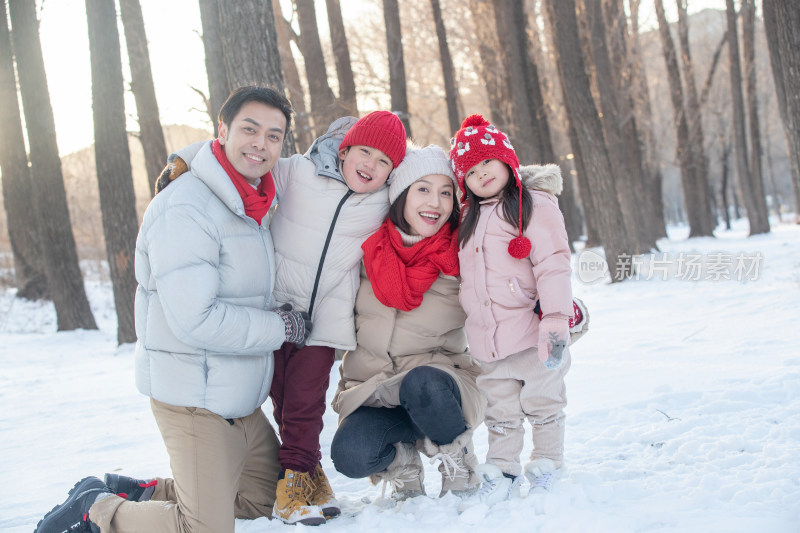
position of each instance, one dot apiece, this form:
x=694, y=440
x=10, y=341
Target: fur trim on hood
x=545, y=178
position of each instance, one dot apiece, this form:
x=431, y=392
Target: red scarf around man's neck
x=256, y=201
x=401, y=275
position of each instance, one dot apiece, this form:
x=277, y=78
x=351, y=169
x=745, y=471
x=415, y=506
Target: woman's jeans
x=430, y=407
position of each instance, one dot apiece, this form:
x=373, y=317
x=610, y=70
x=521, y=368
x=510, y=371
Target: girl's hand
x=553, y=340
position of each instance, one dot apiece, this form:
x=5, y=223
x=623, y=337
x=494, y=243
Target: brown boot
x=292, y=497
x=323, y=496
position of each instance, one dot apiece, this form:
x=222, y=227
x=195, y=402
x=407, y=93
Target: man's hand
x=298, y=324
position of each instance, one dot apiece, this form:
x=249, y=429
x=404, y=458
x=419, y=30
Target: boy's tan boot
x=323, y=496
x=292, y=497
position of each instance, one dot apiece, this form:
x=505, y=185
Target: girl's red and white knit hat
x=476, y=141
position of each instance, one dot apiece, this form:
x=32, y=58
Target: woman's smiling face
x=429, y=204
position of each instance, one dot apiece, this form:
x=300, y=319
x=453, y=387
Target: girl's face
x=429, y=204
x=487, y=178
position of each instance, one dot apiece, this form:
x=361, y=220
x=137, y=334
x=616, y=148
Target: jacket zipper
x=325, y=251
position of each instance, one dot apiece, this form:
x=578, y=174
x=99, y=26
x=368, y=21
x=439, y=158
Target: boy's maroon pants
x=298, y=393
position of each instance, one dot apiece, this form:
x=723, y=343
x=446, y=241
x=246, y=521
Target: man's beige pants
x=517, y=387
x=220, y=470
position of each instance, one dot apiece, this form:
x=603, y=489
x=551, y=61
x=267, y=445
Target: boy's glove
x=298, y=323
x=553, y=340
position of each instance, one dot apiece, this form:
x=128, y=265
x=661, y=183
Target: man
x=206, y=332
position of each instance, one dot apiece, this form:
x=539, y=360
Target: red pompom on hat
x=476, y=141
x=382, y=130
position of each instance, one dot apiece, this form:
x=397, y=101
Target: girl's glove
x=553, y=340
x=298, y=324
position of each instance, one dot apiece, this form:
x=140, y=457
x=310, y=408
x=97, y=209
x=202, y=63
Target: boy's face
x=365, y=169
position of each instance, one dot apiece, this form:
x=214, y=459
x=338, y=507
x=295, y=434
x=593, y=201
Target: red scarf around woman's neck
x=400, y=275
x=256, y=201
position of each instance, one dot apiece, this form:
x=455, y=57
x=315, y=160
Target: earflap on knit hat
x=479, y=140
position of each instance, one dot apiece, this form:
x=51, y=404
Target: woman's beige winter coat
x=392, y=342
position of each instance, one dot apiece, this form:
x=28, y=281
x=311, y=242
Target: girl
x=515, y=263
x=410, y=384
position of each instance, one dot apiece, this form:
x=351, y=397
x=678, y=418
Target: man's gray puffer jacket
x=206, y=272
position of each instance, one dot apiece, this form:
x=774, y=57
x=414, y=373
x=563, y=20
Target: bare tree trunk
x=323, y=102
x=150, y=133
x=218, y=84
x=397, y=69
x=776, y=196
x=782, y=28
x=591, y=205
x=756, y=207
x=113, y=160
x=623, y=171
x=249, y=44
x=616, y=35
x=584, y=117
x=492, y=71
x=302, y=128
x=696, y=209
x=654, y=203
x=748, y=8
x=568, y=200
x=695, y=122
x=724, y=156
x=64, y=280
x=341, y=55
x=452, y=99
x=23, y=225
x=711, y=70
x=250, y=49
x=530, y=50
x=512, y=33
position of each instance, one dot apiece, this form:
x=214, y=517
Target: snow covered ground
x=684, y=411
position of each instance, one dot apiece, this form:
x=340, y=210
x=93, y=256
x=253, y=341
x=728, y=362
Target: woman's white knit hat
x=417, y=163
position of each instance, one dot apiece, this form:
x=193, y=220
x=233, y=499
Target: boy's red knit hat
x=476, y=141
x=381, y=130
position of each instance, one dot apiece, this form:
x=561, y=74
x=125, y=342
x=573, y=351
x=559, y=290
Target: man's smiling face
x=253, y=140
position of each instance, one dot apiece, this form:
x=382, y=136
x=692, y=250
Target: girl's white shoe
x=541, y=473
x=495, y=488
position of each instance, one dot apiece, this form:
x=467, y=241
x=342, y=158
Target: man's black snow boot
x=133, y=490
x=72, y=516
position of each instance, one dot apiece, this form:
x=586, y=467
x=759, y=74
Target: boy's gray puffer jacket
x=315, y=207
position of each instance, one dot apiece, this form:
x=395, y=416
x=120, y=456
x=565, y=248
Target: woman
x=409, y=387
